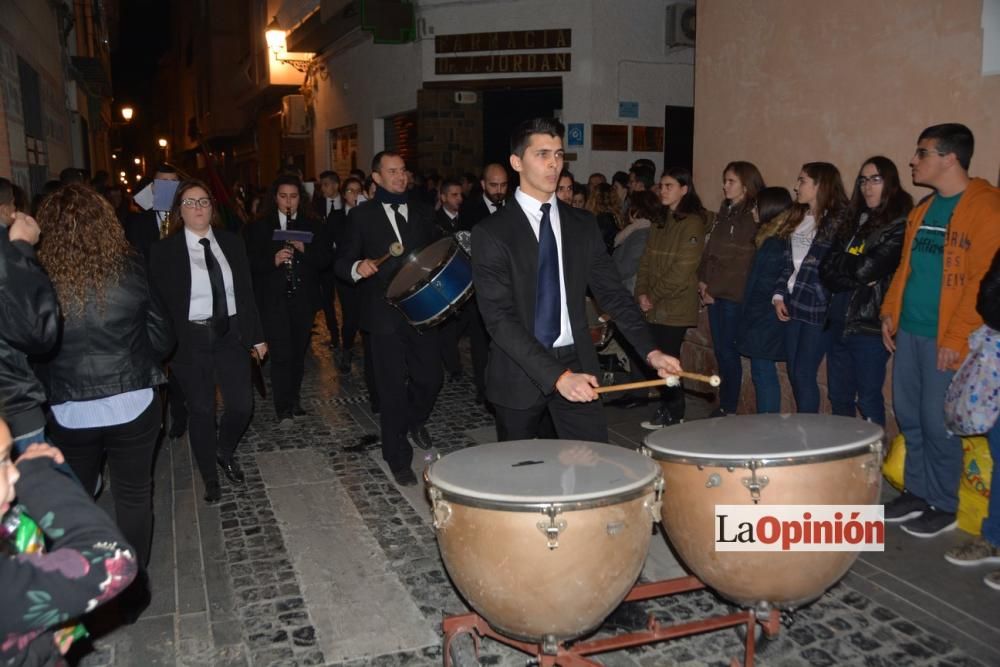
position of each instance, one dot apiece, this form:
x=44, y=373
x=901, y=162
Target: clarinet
x=290, y=283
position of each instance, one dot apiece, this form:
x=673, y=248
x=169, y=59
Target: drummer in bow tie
x=533, y=264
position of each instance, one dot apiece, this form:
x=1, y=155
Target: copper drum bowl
x=779, y=460
x=544, y=538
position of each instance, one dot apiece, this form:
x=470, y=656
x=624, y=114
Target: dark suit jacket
x=170, y=278
x=446, y=224
x=473, y=211
x=270, y=281
x=142, y=230
x=505, y=269
x=369, y=236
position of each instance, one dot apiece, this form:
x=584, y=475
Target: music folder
x=291, y=235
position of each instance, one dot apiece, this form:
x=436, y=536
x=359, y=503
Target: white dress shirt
x=490, y=206
x=201, y=286
x=533, y=210
x=404, y=211
x=333, y=204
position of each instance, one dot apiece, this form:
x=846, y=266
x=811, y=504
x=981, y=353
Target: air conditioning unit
x=294, y=117
x=680, y=24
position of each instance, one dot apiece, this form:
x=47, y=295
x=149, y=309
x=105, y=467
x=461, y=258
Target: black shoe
x=284, y=417
x=661, y=418
x=364, y=443
x=231, y=469
x=135, y=598
x=904, y=507
x=298, y=411
x=930, y=523
x=177, y=429
x=419, y=437
x=718, y=412
x=404, y=477
x=213, y=493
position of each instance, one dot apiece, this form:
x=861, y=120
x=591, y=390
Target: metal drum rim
x=618, y=498
x=767, y=461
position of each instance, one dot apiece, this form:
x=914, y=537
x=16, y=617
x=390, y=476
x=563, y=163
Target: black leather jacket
x=29, y=324
x=866, y=276
x=988, y=302
x=112, y=349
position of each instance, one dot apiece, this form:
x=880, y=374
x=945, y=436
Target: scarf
x=383, y=196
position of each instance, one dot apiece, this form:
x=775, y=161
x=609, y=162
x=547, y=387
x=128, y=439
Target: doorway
x=504, y=108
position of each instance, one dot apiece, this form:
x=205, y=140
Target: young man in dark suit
x=399, y=351
x=286, y=281
x=329, y=206
x=533, y=263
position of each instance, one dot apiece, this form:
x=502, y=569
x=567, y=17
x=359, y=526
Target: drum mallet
x=670, y=381
x=395, y=250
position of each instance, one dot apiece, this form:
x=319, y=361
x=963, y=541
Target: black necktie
x=499, y=205
x=400, y=220
x=220, y=309
x=548, y=314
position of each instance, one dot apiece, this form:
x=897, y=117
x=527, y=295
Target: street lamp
x=137, y=161
x=127, y=113
x=162, y=142
x=275, y=38
x=121, y=174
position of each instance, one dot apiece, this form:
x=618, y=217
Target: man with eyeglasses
x=928, y=314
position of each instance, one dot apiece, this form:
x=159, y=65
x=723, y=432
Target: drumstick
x=670, y=381
x=395, y=250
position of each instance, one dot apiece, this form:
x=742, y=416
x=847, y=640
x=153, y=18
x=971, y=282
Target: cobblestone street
x=320, y=559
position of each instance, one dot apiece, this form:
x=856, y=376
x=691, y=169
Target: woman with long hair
x=667, y=282
x=723, y=272
x=857, y=270
x=201, y=275
x=101, y=377
x=762, y=334
x=606, y=206
x=800, y=298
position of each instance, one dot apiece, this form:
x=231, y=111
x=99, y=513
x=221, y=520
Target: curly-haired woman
x=606, y=205
x=101, y=376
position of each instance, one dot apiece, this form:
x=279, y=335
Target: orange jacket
x=973, y=239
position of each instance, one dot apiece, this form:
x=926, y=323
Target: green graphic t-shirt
x=922, y=295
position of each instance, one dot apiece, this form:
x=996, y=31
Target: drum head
x=745, y=437
x=418, y=266
x=542, y=471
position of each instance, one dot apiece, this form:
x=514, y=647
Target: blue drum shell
x=441, y=294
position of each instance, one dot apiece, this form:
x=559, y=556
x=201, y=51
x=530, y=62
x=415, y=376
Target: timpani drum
x=544, y=538
x=800, y=459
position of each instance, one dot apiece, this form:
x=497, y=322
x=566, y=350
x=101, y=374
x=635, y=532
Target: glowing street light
x=127, y=113
x=114, y=156
x=137, y=161
x=162, y=142
x=274, y=36
x=121, y=174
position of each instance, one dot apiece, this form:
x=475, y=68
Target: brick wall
x=449, y=135
x=697, y=356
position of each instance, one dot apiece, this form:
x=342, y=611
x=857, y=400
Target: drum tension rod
x=552, y=529
x=754, y=483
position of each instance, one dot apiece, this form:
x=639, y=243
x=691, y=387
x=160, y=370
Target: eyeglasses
x=921, y=153
x=352, y=191
x=869, y=180
x=203, y=202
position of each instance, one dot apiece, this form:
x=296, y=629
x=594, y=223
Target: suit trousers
x=328, y=297
x=130, y=450
x=572, y=421
x=408, y=377
x=212, y=362
x=288, y=330
x=466, y=321
x=350, y=312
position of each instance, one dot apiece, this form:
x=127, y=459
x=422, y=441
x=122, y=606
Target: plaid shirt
x=809, y=299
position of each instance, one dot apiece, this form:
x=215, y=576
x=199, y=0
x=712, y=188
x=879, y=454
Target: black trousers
x=350, y=311
x=216, y=362
x=669, y=339
x=175, y=400
x=408, y=377
x=370, y=385
x=572, y=421
x=287, y=328
x=129, y=448
x=328, y=297
x=466, y=321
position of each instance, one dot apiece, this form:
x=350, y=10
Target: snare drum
x=432, y=283
x=544, y=538
x=797, y=459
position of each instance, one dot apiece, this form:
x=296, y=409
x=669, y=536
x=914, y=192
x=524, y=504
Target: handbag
x=972, y=402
